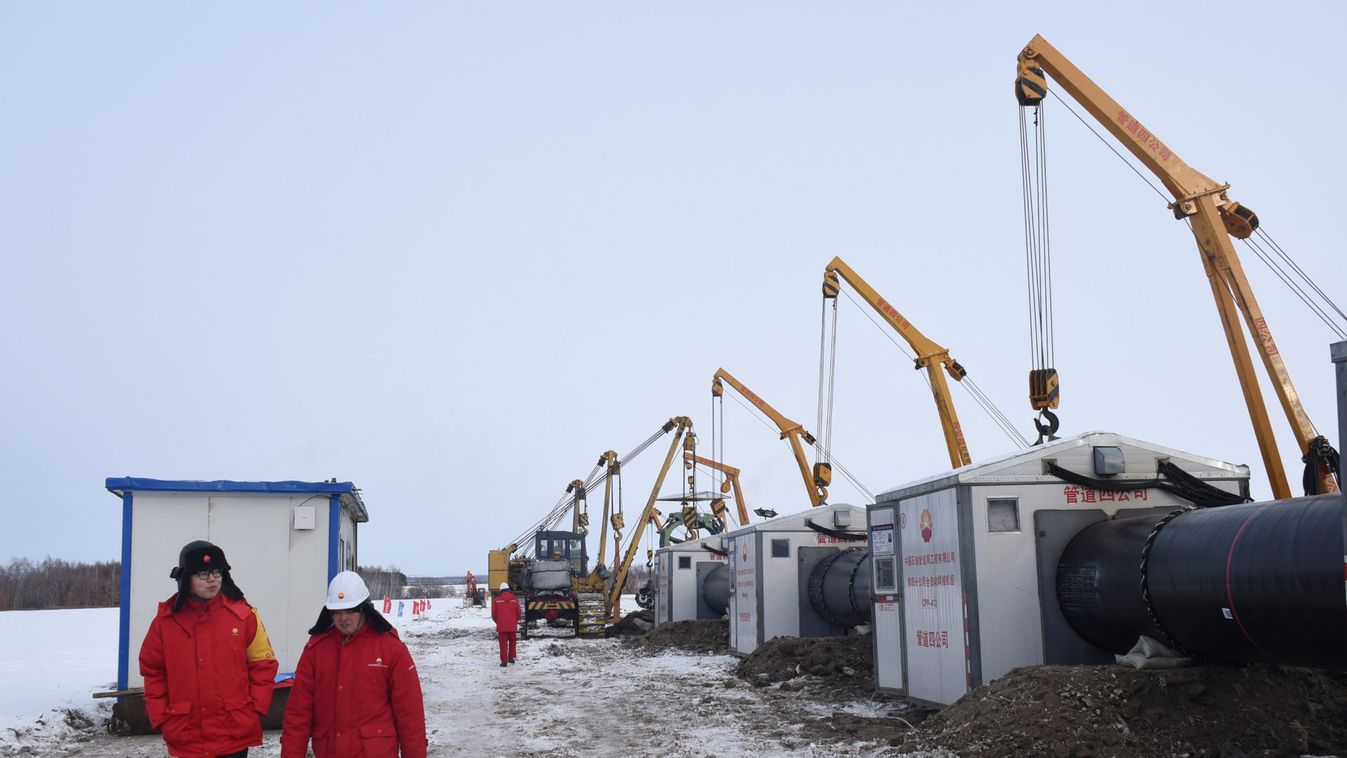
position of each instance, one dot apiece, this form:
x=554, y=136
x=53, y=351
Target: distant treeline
x=54, y=583
x=382, y=582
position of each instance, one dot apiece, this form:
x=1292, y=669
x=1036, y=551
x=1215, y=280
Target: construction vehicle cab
x=563, y=546
x=547, y=583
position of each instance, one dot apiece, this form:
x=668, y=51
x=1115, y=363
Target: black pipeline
x=1257, y=583
x=716, y=589
x=839, y=588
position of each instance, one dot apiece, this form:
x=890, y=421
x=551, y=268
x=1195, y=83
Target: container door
x=886, y=610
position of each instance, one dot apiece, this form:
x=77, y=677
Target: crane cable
x=854, y=481
x=1038, y=265
x=827, y=355
x=1319, y=309
x=988, y=407
x=553, y=516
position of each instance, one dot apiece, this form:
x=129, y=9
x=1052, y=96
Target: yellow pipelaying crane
x=504, y=566
x=1214, y=218
x=731, y=482
x=688, y=439
x=929, y=354
x=816, y=484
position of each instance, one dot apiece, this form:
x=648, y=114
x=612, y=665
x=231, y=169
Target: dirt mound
x=636, y=622
x=700, y=636
x=1118, y=711
x=848, y=662
x=784, y=658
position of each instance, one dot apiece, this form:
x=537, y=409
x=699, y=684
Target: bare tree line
x=383, y=582
x=54, y=583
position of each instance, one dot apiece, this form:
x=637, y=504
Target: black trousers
x=240, y=754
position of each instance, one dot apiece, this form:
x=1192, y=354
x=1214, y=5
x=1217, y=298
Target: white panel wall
x=282, y=571
x=683, y=584
x=253, y=529
x=306, y=571
x=660, y=581
x=1007, y=581
x=933, y=637
x=744, y=593
x=161, y=523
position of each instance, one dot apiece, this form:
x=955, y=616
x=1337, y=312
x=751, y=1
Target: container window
x=685, y=561
x=780, y=548
x=885, y=577
x=1003, y=514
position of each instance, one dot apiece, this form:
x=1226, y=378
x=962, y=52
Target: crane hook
x=1047, y=432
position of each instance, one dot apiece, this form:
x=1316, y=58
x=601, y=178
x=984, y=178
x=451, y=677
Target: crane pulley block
x=719, y=508
x=1044, y=390
x=617, y=521
x=823, y=474
x=690, y=517
x=1031, y=84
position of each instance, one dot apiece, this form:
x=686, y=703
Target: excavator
x=549, y=568
x=930, y=356
x=1214, y=218
x=817, y=480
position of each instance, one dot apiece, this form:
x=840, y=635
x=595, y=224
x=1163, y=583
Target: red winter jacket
x=506, y=612
x=355, y=697
x=208, y=671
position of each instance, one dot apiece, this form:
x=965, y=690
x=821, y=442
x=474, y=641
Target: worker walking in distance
x=505, y=611
x=356, y=693
x=207, y=661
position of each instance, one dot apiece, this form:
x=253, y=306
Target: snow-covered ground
x=564, y=697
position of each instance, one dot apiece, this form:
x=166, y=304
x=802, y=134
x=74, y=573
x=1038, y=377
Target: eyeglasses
x=207, y=575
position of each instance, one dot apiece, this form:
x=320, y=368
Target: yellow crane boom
x=731, y=479
x=684, y=435
x=929, y=354
x=815, y=483
x=1214, y=218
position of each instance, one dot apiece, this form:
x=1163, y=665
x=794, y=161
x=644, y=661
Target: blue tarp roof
x=350, y=496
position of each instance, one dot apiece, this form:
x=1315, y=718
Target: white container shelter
x=769, y=565
x=284, y=542
x=678, y=575
x=963, y=564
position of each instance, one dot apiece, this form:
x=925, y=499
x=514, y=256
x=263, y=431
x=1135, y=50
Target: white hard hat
x=346, y=591
x=503, y=587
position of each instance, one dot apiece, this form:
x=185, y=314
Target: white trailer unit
x=964, y=584
x=770, y=564
x=679, y=573
x=284, y=542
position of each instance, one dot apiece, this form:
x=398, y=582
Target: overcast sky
x=452, y=252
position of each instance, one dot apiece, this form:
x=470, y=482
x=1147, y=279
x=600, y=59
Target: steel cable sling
x=1043, y=383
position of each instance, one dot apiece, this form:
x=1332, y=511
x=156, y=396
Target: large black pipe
x=839, y=588
x=716, y=589
x=1261, y=582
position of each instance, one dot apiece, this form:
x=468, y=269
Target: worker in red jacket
x=207, y=663
x=356, y=693
x=506, y=612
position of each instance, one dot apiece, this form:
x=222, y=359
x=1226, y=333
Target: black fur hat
x=373, y=618
x=195, y=557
